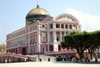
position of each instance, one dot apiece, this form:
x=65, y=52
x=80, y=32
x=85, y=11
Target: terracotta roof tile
x=48, y=18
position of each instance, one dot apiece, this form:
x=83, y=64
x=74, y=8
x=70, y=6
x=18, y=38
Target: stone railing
x=18, y=55
x=59, y=52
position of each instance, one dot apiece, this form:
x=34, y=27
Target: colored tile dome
x=36, y=14
x=38, y=11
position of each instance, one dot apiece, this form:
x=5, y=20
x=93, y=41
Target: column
x=54, y=25
x=28, y=43
x=60, y=25
x=48, y=40
x=68, y=26
x=68, y=31
x=54, y=36
x=38, y=37
x=38, y=40
x=64, y=26
x=48, y=27
x=60, y=35
x=55, y=45
x=25, y=36
x=72, y=26
x=64, y=32
x=77, y=27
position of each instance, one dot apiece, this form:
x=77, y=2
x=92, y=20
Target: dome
x=38, y=11
x=36, y=14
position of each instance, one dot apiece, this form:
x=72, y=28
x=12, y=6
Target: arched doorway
x=51, y=47
x=59, y=47
x=24, y=51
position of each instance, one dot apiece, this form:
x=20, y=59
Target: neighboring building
x=2, y=48
x=41, y=33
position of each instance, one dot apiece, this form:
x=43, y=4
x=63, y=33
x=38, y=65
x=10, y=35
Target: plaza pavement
x=52, y=63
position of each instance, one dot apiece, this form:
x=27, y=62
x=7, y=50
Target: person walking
x=9, y=60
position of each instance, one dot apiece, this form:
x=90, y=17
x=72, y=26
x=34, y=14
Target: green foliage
x=81, y=40
x=63, y=44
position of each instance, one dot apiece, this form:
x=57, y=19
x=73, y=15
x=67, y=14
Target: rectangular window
x=43, y=37
x=35, y=49
x=30, y=41
x=33, y=40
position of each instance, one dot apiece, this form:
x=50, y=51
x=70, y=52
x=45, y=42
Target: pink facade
x=42, y=36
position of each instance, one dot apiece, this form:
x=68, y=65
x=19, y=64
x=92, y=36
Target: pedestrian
x=9, y=60
x=65, y=58
x=25, y=59
x=61, y=58
x=5, y=60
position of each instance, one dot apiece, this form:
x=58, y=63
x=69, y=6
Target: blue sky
x=13, y=13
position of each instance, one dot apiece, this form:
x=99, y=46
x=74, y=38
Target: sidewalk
x=47, y=64
x=52, y=63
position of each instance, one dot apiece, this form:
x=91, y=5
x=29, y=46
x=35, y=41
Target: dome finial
x=37, y=5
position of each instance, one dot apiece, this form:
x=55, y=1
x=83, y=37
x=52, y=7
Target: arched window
x=43, y=25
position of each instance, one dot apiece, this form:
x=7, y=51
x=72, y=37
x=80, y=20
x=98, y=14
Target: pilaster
x=55, y=45
x=38, y=36
x=77, y=27
x=68, y=26
x=48, y=40
x=64, y=26
x=60, y=25
x=60, y=35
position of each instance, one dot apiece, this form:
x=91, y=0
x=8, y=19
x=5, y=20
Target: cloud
x=87, y=21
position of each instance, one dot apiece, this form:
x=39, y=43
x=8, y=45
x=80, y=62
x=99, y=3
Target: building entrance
x=24, y=51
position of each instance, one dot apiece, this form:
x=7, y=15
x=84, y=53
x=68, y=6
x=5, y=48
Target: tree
x=94, y=43
x=76, y=39
x=82, y=41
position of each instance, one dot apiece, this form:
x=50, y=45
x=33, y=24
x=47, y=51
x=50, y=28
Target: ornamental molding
x=65, y=17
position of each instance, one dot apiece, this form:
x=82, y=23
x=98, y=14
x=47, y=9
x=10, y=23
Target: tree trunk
x=91, y=55
x=81, y=56
x=90, y=52
x=96, y=60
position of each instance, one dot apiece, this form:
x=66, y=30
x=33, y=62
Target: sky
x=13, y=13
